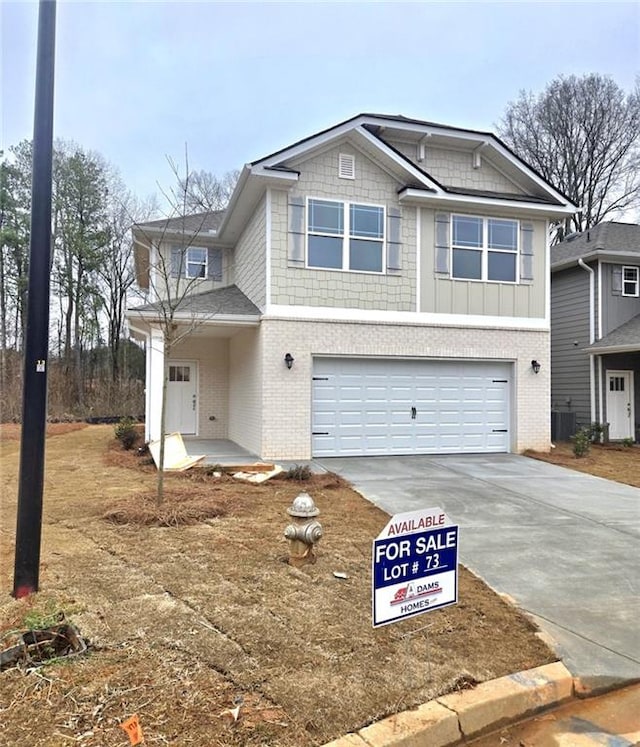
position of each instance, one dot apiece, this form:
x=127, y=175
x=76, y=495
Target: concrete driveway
x=564, y=545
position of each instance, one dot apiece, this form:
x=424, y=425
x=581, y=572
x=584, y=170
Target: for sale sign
x=415, y=566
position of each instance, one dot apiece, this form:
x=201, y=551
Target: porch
x=224, y=451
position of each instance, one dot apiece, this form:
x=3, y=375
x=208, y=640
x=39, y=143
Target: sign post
x=414, y=566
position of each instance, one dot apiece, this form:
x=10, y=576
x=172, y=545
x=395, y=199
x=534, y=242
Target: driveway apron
x=564, y=545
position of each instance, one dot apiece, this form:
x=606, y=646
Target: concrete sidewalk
x=564, y=545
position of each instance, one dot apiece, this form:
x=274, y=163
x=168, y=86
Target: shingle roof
x=198, y=222
x=499, y=195
x=625, y=336
x=609, y=237
x=219, y=302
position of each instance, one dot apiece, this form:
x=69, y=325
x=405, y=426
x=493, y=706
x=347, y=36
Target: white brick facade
x=211, y=355
x=286, y=394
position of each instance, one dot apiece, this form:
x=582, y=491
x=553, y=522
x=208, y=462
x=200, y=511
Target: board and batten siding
x=570, y=387
x=616, y=308
x=442, y=294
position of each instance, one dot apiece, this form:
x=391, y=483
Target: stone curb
x=447, y=720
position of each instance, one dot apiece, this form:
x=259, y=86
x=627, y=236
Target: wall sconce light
x=536, y=366
x=288, y=359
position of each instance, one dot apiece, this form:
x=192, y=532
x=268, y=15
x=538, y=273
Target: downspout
x=592, y=334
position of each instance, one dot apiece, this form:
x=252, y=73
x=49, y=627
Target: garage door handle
x=500, y=430
x=414, y=412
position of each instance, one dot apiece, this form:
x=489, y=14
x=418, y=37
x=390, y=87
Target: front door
x=182, y=399
x=620, y=404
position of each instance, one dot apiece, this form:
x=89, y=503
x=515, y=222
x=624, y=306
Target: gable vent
x=346, y=166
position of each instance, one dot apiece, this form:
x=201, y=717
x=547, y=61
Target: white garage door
x=363, y=406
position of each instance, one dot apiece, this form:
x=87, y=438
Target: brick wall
x=245, y=390
x=287, y=394
x=212, y=357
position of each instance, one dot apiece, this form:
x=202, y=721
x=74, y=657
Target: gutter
x=592, y=335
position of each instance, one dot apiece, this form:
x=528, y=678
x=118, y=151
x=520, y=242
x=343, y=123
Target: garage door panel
x=364, y=406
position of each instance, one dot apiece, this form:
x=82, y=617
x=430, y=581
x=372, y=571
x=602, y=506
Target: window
x=345, y=236
x=630, y=281
x=484, y=248
x=179, y=373
x=196, y=262
x=616, y=384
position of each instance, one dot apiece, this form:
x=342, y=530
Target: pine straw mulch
x=611, y=461
x=183, y=506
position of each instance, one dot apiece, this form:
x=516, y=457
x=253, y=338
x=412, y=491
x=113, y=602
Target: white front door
x=620, y=404
x=182, y=398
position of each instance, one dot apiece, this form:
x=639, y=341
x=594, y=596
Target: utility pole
x=34, y=396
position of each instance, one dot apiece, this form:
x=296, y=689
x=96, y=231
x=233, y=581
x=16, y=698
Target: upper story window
x=630, y=281
x=345, y=236
x=484, y=248
x=196, y=262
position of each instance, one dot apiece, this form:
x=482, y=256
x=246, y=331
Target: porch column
x=155, y=375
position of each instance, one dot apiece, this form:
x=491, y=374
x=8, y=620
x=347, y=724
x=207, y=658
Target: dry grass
x=190, y=620
x=12, y=431
x=612, y=462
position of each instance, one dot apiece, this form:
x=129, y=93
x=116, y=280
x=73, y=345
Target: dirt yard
x=619, y=463
x=188, y=622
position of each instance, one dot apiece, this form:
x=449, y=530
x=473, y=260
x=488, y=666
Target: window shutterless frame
x=345, y=236
x=482, y=250
x=630, y=281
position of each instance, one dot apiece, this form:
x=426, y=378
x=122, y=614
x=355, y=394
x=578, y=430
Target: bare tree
x=205, y=191
x=116, y=272
x=583, y=135
x=172, y=284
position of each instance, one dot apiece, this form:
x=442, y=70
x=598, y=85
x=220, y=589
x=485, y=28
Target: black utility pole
x=34, y=396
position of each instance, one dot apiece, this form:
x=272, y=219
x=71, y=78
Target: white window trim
x=636, y=270
x=346, y=205
x=199, y=264
x=485, y=249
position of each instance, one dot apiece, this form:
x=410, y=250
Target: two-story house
x=595, y=333
x=381, y=287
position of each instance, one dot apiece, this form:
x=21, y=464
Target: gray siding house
x=595, y=328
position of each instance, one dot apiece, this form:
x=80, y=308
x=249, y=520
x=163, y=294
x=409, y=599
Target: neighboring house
x=595, y=328
x=381, y=287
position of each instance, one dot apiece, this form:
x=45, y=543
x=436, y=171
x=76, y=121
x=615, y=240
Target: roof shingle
x=196, y=223
x=609, y=236
x=228, y=301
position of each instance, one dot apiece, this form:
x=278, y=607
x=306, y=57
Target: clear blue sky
x=236, y=81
